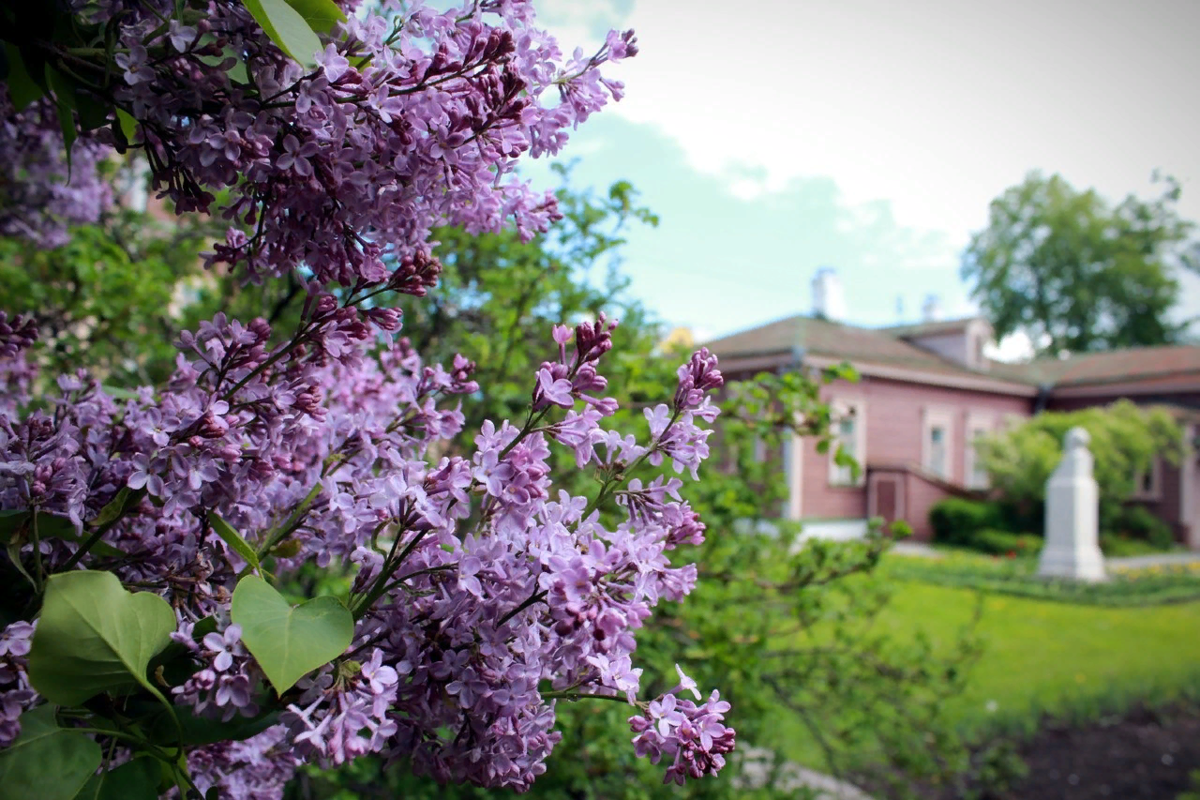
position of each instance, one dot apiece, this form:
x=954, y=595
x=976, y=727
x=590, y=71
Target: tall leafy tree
x=1076, y=273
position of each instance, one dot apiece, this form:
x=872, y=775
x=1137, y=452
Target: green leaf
x=15, y=531
x=93, y=112
x=234, y=540
x=134, y=780
x=289, y=642
x=64, y=103
x=198, y=731
x=129, y=128
x=93, y=635
x=11, y=520
x=287, y=28
x=46, y=761
x=125, y=499
x=237, y=73
x=320, y=15
x=22, y=89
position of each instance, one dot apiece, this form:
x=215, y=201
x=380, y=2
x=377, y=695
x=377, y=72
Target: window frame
x=1156, y=482
x=838, y=476
x=932, y=417
x=976, y=422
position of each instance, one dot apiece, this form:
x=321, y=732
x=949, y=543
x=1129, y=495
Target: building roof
x=823, y=337
x=1115, y=365
x=930, y=328
x=814, y=336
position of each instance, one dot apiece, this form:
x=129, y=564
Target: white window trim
x=976, y=421
x=944, y=417
x=840, y=407
x=1156, y=481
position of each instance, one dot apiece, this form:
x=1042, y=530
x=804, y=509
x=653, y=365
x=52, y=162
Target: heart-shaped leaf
x=286, y=28
x=289, y=642
x=93, y=636
x=46, y=761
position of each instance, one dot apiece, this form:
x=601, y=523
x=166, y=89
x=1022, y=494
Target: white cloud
x=934, y=106
x=919, y=112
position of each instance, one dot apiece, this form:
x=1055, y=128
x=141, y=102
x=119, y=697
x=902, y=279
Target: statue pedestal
x=1073, y=516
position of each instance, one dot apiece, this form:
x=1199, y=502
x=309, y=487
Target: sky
x=777, y=136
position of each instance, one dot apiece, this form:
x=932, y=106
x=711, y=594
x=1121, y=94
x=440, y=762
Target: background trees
x=1076, y=273
x=1125, y=440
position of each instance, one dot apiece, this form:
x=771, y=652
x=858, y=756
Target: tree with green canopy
x=1077, y=274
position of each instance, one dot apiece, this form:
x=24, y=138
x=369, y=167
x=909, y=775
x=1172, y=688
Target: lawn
x=1047, y=656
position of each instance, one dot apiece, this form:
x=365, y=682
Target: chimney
x=931, y=309
x=828, y=301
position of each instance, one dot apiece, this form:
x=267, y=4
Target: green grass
x=1046, y=657
x=1143, y=586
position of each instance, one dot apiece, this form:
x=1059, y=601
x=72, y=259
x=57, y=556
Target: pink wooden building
x=927, y=390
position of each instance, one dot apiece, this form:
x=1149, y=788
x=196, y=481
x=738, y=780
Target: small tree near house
x=1125, y=440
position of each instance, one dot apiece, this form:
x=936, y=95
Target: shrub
x=1125, y=439
x=956, y=520
x=1138, y=522
x=1002, y=543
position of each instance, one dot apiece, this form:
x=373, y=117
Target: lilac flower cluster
x=15, y=693
x=43, y=195
x=476, y=584
x=224, y=685
x=694, y=738
x=412, y=117
x=482, y=593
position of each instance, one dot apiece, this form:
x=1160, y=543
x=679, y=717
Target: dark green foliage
x=956, y=520
x=498, y=297
x=1138, y=522
x=114, y=297
x=1075, y=273
x=1125, y=439
x=1002, y=543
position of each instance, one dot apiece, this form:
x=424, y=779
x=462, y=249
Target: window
x=849, y=432
x=936, y=446
x=978, y=426
x=1147, y=484
x=937, y=450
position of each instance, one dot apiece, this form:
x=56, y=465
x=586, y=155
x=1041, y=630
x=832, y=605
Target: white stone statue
x=1073, y=515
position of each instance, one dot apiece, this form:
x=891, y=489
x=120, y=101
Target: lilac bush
x=482, y=594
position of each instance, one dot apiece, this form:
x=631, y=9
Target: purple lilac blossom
x=507, y=583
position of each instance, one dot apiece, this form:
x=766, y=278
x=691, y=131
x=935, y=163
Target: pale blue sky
x=774, y=137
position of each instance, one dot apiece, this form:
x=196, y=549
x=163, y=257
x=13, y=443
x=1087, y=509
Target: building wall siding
x=894, y=413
